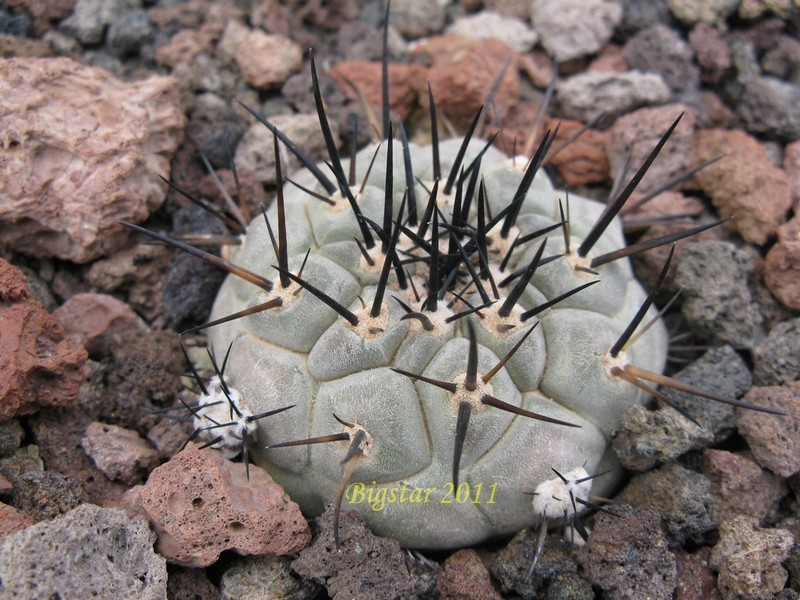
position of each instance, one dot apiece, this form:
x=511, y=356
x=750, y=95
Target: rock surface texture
x=97, y=167
x=38, y=365
x=90, y=552
x=201, y=504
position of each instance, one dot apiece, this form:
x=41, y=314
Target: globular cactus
x=371, y=367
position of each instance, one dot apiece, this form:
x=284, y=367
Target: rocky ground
x=100, y=98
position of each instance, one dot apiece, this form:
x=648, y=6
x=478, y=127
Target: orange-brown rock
x=200, y=504
x=38, y=366
x=460, y=72
x=745, y=184
x=782, y=273
x=362, y=79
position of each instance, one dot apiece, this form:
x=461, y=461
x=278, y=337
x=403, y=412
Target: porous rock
x=89, y=552
x=696, y=581
x=718, y=303
x=627, y=556
x=264, y=578
x=358, y=78
x=490, y=24
x=791, y=166
x=587, y=95
x=142, y=373
x=774, y=439
x=256, y=153
x=120, y=453
x=582, y=161
x=682, y=498
x=465, y=577
x=565, y=31
x=89, y=20
x=634, y=135
x=713, y=12
x=739, y=486
x=190, y=584
x=460, y=71
x=266, y=61
x=417, y=18
x=11, y=434
x=96, y=321
x=38, y=365
x=777, y=357
x=67, y=182
x=512, y=564
x=13, y=520
x=641, y=14
x=139, y=271
x=660, y=49
x=46, y=494
x=364, y=567
x=711, y=52
x=782, y=273
x=749, y=559
x=744, y=184
x=200, y=504
x=770, y=107
x=648, y=437
x=648, y=265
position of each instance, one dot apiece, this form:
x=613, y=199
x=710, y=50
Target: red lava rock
x=711, y=52
x=538, y=67
x=739, y=486
x=696, y=580
x=782, y=273
x=744, y=184
x=94, y=319
x=139, y=270
x=583, y=160
x=465, y=577
x=38, y=366
x=183, y=48
x=5, y=485
x=517, y=129
x=460, y=71
x=774, y=440
x=640, y=130
x=358, y=78
x=12, y=520
x=791, y=166
x=121, y=454
x=201, y=504
x=790, y=231
x=610, y=60
x=712, y=111
x=66, y=182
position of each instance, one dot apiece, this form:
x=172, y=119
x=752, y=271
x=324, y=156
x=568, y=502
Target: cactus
x=366, y=369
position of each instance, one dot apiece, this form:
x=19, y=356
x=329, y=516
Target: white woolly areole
x=217, y=416
x=553, y=498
